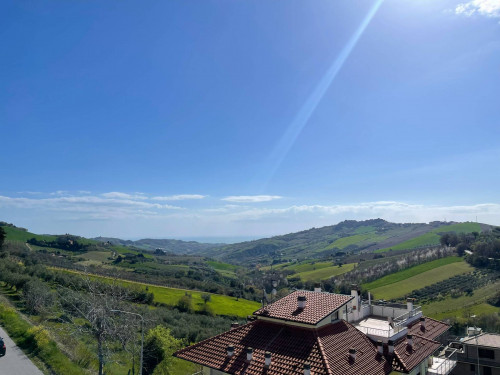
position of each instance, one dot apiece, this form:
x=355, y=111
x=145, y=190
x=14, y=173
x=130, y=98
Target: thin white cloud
x=488, y=8
x=251, y=198
x=120, y=195
x=179, y=197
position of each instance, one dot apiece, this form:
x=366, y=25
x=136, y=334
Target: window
x=486, y=353
x=473, y=367
x=486, y=370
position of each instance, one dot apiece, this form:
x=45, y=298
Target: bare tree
x=94, y=303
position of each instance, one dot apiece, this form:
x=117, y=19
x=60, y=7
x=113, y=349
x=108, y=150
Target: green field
x=432, y=238
x=15, y=234
x=325, y=272
x=410, y=272
x=459, y=307
x=343, y=242
x=220, y=304
x=401, y=288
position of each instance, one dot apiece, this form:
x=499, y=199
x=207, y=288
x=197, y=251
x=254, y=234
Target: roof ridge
x=323, y=355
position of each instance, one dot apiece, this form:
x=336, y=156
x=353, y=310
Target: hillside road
x=15, y=361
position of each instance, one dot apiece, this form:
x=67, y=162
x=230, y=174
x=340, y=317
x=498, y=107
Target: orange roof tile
x=326, y=349
x=318, y=306
x=433, y=328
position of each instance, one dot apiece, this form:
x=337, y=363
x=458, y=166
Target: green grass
x=343, y=242
x=410, y=272
x=458, y=307
x=406, y=286
x=49, y=353
x=432, y=238
x=325, y=272
x=220, y=304
x=14, y=234
x=220, y=266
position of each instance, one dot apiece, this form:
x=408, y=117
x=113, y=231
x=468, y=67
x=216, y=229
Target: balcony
x=382, y=321
x=443, y=363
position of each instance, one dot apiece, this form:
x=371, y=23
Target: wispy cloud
x=488, y=8
x=120, y=195
x=251, y=198
x=179, y=197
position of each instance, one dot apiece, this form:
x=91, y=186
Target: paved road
x=15, y=361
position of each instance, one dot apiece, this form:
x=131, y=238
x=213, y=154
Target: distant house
x=479, y=354
x=313, y=332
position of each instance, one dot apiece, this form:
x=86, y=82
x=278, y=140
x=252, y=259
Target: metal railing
x=448, y=364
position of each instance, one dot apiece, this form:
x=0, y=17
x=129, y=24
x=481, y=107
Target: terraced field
x=401, y=283
x=461, y=306
x=220, y=304
x=325, y=272
x=432, y=238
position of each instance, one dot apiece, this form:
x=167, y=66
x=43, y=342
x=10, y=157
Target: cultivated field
x=325, y=272
x=464, y=306
x=407, y=284
x=220, y=304
x=432, y=238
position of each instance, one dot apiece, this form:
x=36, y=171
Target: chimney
x=352, y=354
x=230, y=350
x=409, y=340
x=234, y=325
x=307, y=368
x=422, y=323
x=390, y=346
x=317, y=287
x=409, y=304
x=301, y=301
x=267, y=359
x=249, y=354
x=355, y=301
x=380, y=347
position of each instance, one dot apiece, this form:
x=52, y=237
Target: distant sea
x=227, y=240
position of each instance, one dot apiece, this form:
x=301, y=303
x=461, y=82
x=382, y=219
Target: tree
x=206, y=297
x=96, y=304
x=159, y=347
x=2, y=236
x=38, y=297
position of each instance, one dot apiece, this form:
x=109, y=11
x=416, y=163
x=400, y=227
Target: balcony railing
x=443, y=364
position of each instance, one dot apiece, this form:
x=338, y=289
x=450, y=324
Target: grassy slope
x=410, y=272
x=342, y=243
x=14, y=234
x=456, y=307
x=432, y=238
x=220, y=304
x=401, y=288
x=324, y=273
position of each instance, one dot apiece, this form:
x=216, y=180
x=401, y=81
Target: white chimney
x=234, y=325
x=352, y=354
x=422, y=323
x=409, y=304
x=380, y=347
x=369, y=298
x=390, y=346
x=301, y=301
x=355, y=301
x=249, y=354
x=307, y=368
x=230, y=350
x=267, y=359
x=317, y=287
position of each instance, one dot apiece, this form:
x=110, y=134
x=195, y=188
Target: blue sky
x=247, y=118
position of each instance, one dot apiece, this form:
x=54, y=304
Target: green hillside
x=432, y=238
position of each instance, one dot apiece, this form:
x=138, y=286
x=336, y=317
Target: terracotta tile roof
x=326, y=349
x=411, y=356
x=433, y=328
x=318, y=306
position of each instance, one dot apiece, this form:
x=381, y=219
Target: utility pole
x=142, y=334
